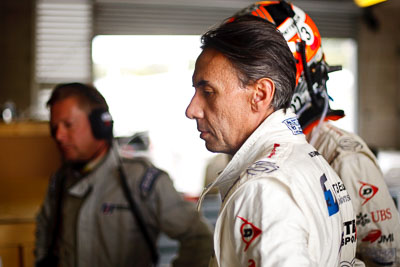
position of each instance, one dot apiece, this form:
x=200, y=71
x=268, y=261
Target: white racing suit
x=377, y=219
x=282, y=204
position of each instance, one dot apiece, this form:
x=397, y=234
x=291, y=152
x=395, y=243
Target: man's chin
x=213, y=147
x=69, y=158
x=74, y=163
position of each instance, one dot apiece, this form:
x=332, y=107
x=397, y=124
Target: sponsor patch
x=362, y=219
x=331, y=201
x=381, y=215
x=148, y=180
x=350, y=233
x=349, y=144
x=344, y=199
x=372, y=236
x=374, y=216
x=293, y=125
x=377, y=236
x=262, y=166
x=252, y=263
x=367, y=191
x=314, y=154
x=273, y=151
x=338, y=187
x=109, y=208
x=249, y=232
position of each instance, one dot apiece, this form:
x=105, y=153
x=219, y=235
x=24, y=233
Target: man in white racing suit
x=282, y=204
x=377, y=219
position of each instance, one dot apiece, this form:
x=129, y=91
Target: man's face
x=72, y=132
x=220, y=105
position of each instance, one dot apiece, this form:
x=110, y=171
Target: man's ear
x=263, y=94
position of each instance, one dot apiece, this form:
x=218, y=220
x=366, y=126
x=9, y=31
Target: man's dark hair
x=89, y=98
x=257, y=50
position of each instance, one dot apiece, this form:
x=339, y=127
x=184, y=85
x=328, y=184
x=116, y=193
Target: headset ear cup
x=101, y=123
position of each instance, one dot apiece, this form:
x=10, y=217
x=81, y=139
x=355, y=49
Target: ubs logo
x=376, y=216
x=367, y=191
x=381, y=215
x=249, y=232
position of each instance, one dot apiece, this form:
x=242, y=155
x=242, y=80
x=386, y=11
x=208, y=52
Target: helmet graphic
x=310, y=100
x=295, y=26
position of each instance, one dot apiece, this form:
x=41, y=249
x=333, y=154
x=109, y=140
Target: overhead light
x=367, y=3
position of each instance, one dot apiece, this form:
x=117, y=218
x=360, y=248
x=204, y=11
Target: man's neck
x=98, y=157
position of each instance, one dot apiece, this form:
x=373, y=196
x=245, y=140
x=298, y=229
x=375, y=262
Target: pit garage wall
x=16, y=52
x=379, y=78
x=378, y=66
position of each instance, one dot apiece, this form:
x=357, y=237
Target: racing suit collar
x=81, y=188
x=272, y=130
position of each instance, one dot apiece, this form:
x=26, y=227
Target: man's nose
x=194, y=110
x=59, y=133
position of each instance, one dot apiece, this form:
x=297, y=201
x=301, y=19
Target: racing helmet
x=310, y=100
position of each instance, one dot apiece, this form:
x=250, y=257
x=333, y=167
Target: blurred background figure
x=105, y=210
x=378, y=223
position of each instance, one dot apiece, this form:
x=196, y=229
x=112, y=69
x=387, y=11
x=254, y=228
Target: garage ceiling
x=334, y=18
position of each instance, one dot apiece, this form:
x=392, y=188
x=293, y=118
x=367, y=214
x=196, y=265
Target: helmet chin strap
x=306, y=71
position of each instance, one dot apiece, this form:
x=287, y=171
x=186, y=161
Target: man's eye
x=68, y=125
x=208, y=92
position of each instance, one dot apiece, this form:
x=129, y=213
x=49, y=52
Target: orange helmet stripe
x=266, y=13
x=260, y=14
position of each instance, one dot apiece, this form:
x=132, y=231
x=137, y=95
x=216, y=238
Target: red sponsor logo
x=252, y=263
x=381, y=215
x=273, y=150
x=249, y=232
x=367, y=191
x=372, y=236
x=376, y=234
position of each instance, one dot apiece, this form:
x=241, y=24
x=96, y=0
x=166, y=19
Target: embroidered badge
x=349, y=144
x=262, y=166
x=148, y=180
x=109, y=208
x=293, y=125
x=367, y=191
x=249, y=232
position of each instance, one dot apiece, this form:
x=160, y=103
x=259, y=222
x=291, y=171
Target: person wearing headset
x=378, y=223
x=101, y=210
x=282, y=204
